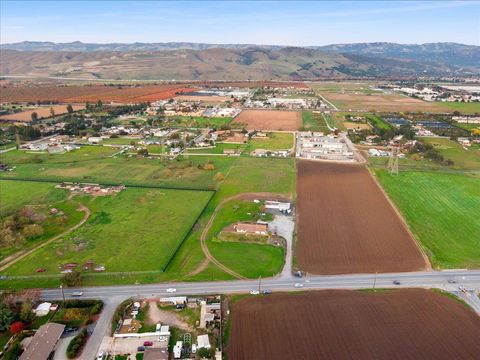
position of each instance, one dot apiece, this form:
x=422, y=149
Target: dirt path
x=9, y=261
x=203, y=236
x=156, y=315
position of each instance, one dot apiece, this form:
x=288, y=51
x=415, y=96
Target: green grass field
x=217, y=149
x=136, y=230
x=16, y=194
x=199, y=121
x=378, y=122
x=314, y=122
x=120, y=141
x=462, y=158
x=274, y=141
x=95, y=164
x=247, y=174
x=470, y=107
x=442, y=211
x=249, y=260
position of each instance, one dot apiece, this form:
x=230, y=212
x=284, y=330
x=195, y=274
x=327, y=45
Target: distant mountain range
x=194, y=61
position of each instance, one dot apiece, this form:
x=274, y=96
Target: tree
x=205, y=353
x=6, y=317
x=26, y=314
x=52, y=111
x=32, y=231
x=69, y=108
x=143, y=152
x=17, y=327
x=34, y=117
x=99, y=104
x=73, y=279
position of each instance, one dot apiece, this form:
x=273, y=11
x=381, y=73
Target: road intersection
x=452, y=280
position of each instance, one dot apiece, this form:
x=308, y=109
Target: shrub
x=17, y=327
x=76, y=344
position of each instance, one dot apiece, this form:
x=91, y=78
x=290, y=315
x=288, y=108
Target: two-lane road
x=438, y=279
x=114, y=295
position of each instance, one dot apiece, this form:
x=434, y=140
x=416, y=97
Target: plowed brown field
x=269, y=120
x=346, y=224
x=91, y=93
x=342, y=324
x=42, y=113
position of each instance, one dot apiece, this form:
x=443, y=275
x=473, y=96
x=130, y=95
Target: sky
x=245, y=22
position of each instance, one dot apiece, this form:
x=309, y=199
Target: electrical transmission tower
x=393, y=160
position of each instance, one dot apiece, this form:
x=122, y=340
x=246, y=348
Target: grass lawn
x=442, y=211
x=469, y=159
x=249, y=260
x=136, y=230
x=274, y=141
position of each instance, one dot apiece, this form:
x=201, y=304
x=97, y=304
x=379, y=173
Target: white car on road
x=171, y=290
x=254, y=292
x=77, y=293
x=298, y=285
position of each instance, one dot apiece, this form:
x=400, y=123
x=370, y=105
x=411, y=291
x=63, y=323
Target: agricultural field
x=273, y=141
x=42, y=113
x=436, y=205
x=342, y=324
x=198, y=121
x=217, y=149
x=359, y=96
x=92, y=93
x=463, y=107
x=96, y=164
x=314, y=121
x=269, y=120
x=346, y=225
x=116, y=236
x=451, y=150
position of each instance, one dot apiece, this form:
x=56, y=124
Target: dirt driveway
x=156, y=315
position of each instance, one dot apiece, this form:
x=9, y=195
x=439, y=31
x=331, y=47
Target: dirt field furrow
x=269, y=120
x=342, y=324
x=346, y=224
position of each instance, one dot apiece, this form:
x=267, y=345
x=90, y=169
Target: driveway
x=283, y=225
x=61, y=351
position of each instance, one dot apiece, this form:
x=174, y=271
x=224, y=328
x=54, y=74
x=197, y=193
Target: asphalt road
x=439, y=279
x=114, y=295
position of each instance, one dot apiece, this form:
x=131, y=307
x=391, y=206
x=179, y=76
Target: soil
x=347, y=225
x=92, y=93
x=343, y=324
x=269, y=120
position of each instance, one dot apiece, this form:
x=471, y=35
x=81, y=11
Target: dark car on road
x=396, y=282
x=141, y=348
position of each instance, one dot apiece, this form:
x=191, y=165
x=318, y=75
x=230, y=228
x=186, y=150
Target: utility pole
x=259, y=283
x=63, y=294
x=375, y=281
